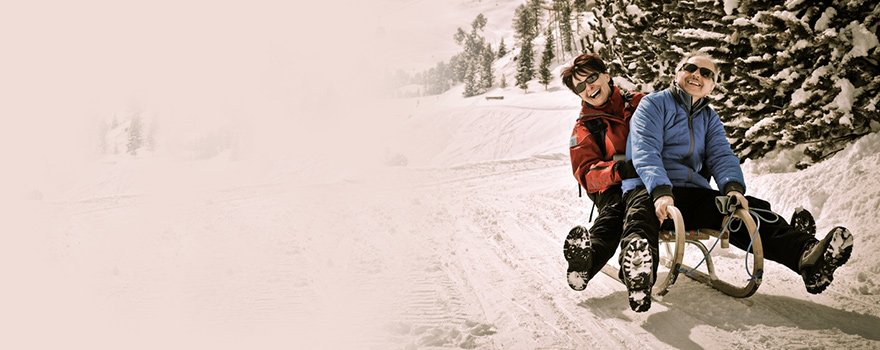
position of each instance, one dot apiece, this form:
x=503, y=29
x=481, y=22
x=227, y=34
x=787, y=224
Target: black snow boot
x=803, y=221
x=819, y=260
x=637, y=273
x=578, y=252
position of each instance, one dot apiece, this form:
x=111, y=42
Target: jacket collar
x=613, y=106
x=684, y=99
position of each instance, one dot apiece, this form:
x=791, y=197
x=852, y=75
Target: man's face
x=596, y=92
x=697, y=77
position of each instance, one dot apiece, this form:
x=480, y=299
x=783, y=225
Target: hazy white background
x=283, y=74
x=297, y=82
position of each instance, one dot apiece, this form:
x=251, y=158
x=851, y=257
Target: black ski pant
x=608, y=228
x=781, y=242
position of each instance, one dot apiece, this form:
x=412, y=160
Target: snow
x=844, y=100
x=761, y=124
x=785, y=76
x=729, y=6
x=461, y=248
x=799, y=96
x=786, y=16
x=791, y=4
x=307, y=240
x=822, y=24
x=610, y=31
x=762, y=58
x=699, y=34
x=863, y=41
x=800, y=45
x=634, y=11
x=739, y=22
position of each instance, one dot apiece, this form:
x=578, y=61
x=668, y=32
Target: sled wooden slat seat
x=694, y=235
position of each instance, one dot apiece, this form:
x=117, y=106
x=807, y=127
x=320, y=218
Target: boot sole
x=803, y=221
x=638, y=276
x=578, y=253
x=838, y=249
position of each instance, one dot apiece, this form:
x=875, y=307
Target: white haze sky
x=291, y=75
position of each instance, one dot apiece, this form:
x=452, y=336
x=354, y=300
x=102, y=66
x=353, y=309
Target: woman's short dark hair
x=582, y=65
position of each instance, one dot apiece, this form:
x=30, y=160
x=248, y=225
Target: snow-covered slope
x=460, y=249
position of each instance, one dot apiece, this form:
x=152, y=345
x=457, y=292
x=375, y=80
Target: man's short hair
x=583, y=65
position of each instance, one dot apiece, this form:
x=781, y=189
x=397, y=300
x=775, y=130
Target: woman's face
x=596, y=90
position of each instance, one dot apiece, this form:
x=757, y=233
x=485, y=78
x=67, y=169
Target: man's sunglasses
x=705, y=72
x=580, y=87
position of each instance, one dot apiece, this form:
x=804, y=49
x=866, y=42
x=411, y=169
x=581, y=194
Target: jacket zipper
x=691, y=146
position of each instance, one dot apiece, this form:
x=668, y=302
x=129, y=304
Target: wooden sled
x=675, y=256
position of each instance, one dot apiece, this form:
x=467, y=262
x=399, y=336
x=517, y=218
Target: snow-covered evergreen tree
x=563, y=9
x=525, y=30
x=135, y=135
x=502, y=49
x=477, y=79
x=525, y=67
x=525, y=24
x=790, y=72
x=487, y=74
x=816, y=78
x=544, y=74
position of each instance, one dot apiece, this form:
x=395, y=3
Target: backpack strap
x=597, y=128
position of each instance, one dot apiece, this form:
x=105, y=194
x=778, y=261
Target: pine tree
x=524, y=26
x=472, y=60
x=502, y=50
x=818, y=86
x=471, y=83
x=525, y=67
x=536, y=8
x=135, y=135
x=563, y=8
x=544, y=75
x=503, y=81
x=458, y=67
x=487, y=74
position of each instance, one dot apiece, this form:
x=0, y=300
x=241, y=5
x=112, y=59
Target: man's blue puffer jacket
x=670, y=143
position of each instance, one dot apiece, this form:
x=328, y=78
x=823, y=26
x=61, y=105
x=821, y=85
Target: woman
x=597, y=144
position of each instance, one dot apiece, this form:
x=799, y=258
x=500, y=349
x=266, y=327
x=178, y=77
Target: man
x=674, y=136
x=597, y=142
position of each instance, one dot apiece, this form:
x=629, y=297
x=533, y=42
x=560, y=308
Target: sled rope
x=756, y=214
x=688, y=271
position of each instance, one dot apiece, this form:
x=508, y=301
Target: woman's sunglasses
x=580, y=87
x=705, y=72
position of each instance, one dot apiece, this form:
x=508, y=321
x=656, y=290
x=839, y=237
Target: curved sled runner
x=675, y=256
